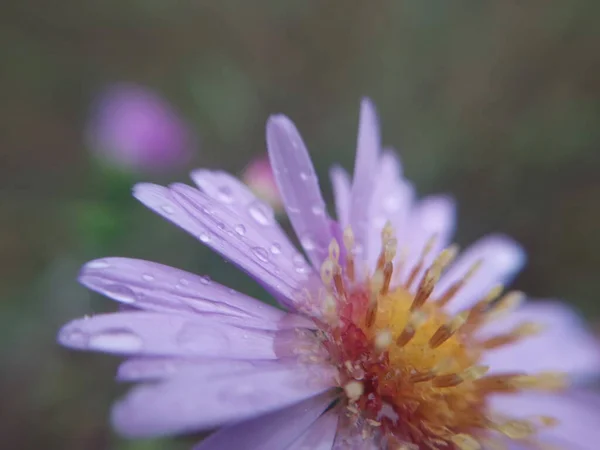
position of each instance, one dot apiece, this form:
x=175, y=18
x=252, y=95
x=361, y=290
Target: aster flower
x=261, y=181
x=132, y=128
x=392, y=339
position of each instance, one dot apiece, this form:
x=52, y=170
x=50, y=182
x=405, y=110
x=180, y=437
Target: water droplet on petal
x=205, y=280
x=184, y=282
x=204, y=237
x=168, y=209
x=98, y=264
x=261, y=253
x=260, y=213
x=120, y=293
x=307, y=243
x=148, y=277
x=74, y=337
x=318, y=210
x=225, y=195
x=116, y=341
x=304, y=176
x=275, y=249
x=240, y=229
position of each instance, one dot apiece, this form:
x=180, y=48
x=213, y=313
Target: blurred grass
x=496, y=103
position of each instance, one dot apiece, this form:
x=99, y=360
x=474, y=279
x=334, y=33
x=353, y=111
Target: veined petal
x=155, y=368
x=182, y=404
x=340, y=182
x=236, y=196
x=577, y=413
x=299, y=187
x=272, y=431
x=152, y=286
x=145, y=333
x=365, y=174
x=573, y=349
x=500, y=257
x=320, y=435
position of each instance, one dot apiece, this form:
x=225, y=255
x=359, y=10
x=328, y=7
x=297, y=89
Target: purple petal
x=182, y=403
x=501, y=259
x=272, y=431
x=143, y=333
x=578, y=414
x=218, y=227
x=155, y=368
x=320, y=435
x=156, y=287
x=299, y=187
x=341, y=194
x=236, y=196
x=365, y=173
x=565, y=345
x=432, y=216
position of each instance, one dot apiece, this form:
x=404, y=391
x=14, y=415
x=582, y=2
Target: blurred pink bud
x=259, y=177
x=134, y=129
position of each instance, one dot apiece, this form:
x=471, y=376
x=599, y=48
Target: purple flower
x=134, y=129
x=260, y=179
x=391, y=339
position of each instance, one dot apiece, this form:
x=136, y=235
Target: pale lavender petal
x=365, y=174
x=152, y=286
x=274, y=431
x=578, y=414
x=501, y=259
x=432, y=216
x=155, y=368
x=565, y=345
x=341, y=194
x=236, y=196
x=182, y=403
x=320, y=435
x=145, y=333
x=299, y=187
x=215, y=225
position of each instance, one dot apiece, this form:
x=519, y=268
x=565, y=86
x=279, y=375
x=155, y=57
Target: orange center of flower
x=409, y=371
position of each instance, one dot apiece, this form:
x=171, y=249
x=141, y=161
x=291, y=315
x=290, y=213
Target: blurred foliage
x=497, y=103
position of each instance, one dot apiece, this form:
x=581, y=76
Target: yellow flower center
x=410, y=371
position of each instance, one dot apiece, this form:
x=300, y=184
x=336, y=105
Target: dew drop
x=98, y=264
x=168, y=209
x=205, y=279
x=120, y=293
x=148, y=277
x=318, y=210
x=261, y=253
x=275, y=249
x=260, y=213
x=240, y=229
x=304, y=176
x=116, y=341
x=225, y=195
x=184, y=281
x=74, y=337
x=307, y=243
x=204, y=237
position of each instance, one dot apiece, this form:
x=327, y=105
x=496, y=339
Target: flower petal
x=501, y=258
x=564, y=345
x=156, y=287
x=182, y=403
x=236, y=196
x=431, y=217
x=144, y=333
x=365, y=173
x=299, y=187
x=272, y=431
x=320, y=435
x=216, y=225
x=341, y=194
x=577, y=412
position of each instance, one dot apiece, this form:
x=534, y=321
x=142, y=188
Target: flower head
x=134, y=129
x=393, y=339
